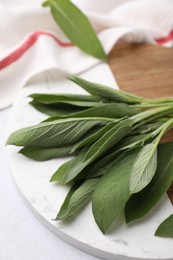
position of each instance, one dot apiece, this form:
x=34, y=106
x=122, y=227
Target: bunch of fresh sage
x=118, y=164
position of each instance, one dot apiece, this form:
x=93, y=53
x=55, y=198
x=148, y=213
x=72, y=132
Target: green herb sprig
x=118, y=164
x=76, y=27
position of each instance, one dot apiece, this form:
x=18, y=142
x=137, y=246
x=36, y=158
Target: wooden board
x=145, y=70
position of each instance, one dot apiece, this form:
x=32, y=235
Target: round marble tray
x=125, y=242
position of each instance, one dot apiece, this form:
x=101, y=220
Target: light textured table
x=22, y=236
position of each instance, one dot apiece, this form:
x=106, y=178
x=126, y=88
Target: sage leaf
x=144, y=168
x=94, y=137
x=106, y=92
x=65, y=204
x=59, y=174
x=110, y=138
x=54, y=134
x=76, y=198
x=63, y=109
x=54, y=110
x=67, y=166
x=150, y=115
x=166, y=228
x=70, y=103
x=103, y=144
x=134, y=140
x=43, y=154
x=146, y=163
x=57, y=98
x=147, y=128
x=113, y=110
x=112, y=190
x=104, y=164
x=76, y=27
x=141, y=203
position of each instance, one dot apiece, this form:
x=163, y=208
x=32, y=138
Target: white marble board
x=125, y=242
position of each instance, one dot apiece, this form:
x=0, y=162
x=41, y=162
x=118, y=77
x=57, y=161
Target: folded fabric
x=31, y=42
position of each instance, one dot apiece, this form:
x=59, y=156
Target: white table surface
x=22, y=236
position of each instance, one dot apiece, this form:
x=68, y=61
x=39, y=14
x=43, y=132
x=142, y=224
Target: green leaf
x=94, y=137
x=146, y=163
x=104, y=164
x=108, y=110
x=43, y=154
x=63, y=109
x=58, y=98
x=70, y=104
x=135, y=140
x=55, y=110
x=106, y=92
x=103, y=144
x=54, y=134
x=76, y=198
x=150, y=115
x=147, y=128
x=110, y=138
x=112, y=191
x=76, y=27
x=65, y=204
x=67, y=166
x=166, y=228
x=46, y=3
x=141, y=203
x=144, y=168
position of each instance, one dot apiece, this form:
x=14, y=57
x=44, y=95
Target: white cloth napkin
x=31, y=42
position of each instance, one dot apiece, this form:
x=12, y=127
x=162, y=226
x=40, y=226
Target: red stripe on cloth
x=165, y=39
x=29, y=42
